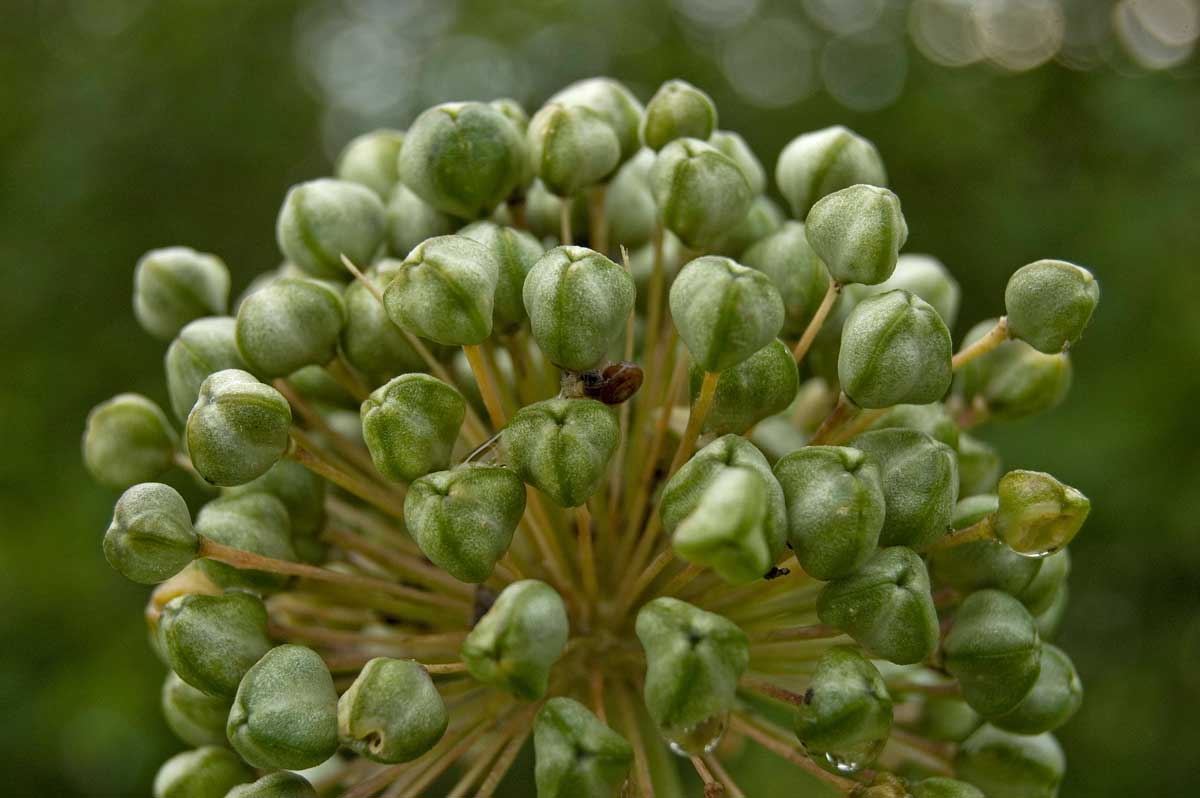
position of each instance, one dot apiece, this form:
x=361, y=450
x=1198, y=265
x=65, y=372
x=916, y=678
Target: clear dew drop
x=702, y=738
x=855, y=757
x=1040, y=554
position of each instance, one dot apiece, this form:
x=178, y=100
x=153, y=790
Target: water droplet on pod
x=855, y=757
x=702, y=738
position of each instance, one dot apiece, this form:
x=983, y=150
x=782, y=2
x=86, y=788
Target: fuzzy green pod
x=1014, y=380
x=1049, y=304
x=1038, y=515
x=1006, y=765
x=392, y=712
x=814, y=165
x=847, y=711
x=543, y=213
x=858, y=233
x=254, y=522
x=629, y=204
x=194, y=716
x=301, y=491
x=677, y=110
x=207, y=772
x=514, y=646
x=1055, y=697
x=947, y=719
x=371, y=342
x=735, y=147
x=321, y=220
x=513, y=111
x=150, y=538
x=760, y=386
x=764, y=218
x=177, y=285
x=578, y=301
x=694, y=660
x=463, y=520
x=683, y=493
x=464, y=159
x=291, y=323
x=938, y=787
x=577, y=755
x=410, y=220
x=410, y=426
x=1039, y=594
x=127, y=440
x=615, y=103
x=994, y=652
x=981, y=564
x=979, y=466
x=933, y=419
x=211, y=641
x=895, y=350
x=835, y=506
x=801, y=278
x=572, y=147
x=700, y=192
x=726, y=531
x=886, y=605
x=203, y=347
x=562, y=447
x=237, y=429
x=285, y=712
x=724, y=311
x=280, y=784
x=920, y=484
x=445, y=291
x=516, y=251
x=928, y=278
x=1049, y=621
x=372, y=160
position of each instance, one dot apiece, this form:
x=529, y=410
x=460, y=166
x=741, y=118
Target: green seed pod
x=211, y=641
x=814, y=165
x=629, y=205
x=979, y=466
x=289, y=324
x=238, y=428
x=760, y=386
x=724, y=311
x=945, y=788
x=1049, y=621
x=196, y=717
x=285, y=712
x=411, y=220
x=920, y=484
x=700, y=192
x=993, y=651
x=895, y=350
x=371, y=342
x=847, y=712
x=932, y=419
x=763, y=219
x=392, y=712
x=301, y=491
x=694, y=660
x=677, y=110
x=572, y=147
x=445, y=291
x=835, y=508
x=207, y=772
x=683, y=493
x=735, y=147
x=578, y=301
x=513, y=111
x=463, y=520
x=127, y=440
x=947, y=719
x=928, y=278
x=796, y=272
x=516, y=251
x=1055, y=697
x=886, y=606
x=321, y=220
x=371, y=160
x=543, y=212
x=1049, y=304
x=151, y=537
x=726, y=530
x=203, y=347
x=280, y=784
x=1038, y=596
x=514, y=646
x=1038, y=515
x=858, y=233
x=981, y=564
x=177, y=285
x=1014, y=380
x=464, y=159
x=615, y=103
x=410, y=426
x=562, y=447
x=577, y=755
x=1006, y=765
x=254, y=522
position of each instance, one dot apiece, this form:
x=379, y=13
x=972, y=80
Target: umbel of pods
x=553, y=429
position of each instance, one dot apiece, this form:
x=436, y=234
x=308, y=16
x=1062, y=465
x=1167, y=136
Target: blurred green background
x=1070, y=131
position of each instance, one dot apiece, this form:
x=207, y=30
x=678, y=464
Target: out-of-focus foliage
x=131, y=124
